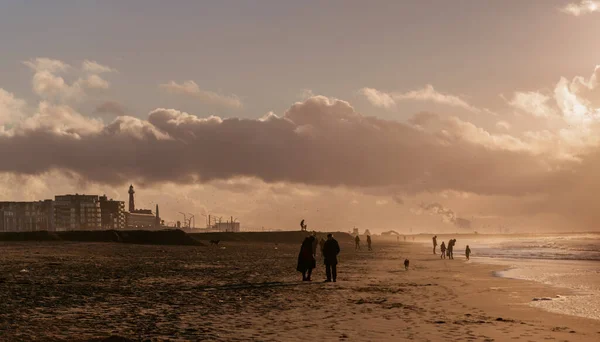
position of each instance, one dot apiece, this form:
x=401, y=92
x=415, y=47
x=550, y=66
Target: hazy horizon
x=429, y=116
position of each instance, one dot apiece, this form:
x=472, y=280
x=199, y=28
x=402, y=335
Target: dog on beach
x=406, y=262
x=215, y=242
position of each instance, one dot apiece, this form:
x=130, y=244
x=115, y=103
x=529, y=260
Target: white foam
x=581, y=277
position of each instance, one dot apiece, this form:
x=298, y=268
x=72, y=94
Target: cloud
x=318, y=148
x=574, y=99
x=94, y=67
x=315, y=146
x=390, y=100
x=306, y=94
x=503, y=125
x=47, y=64
x=447, y=215
x=59, y=120
x=190, y=88
x=11, y=108
x=321, y=142
x=378, y=98
x=48, y=83
x=534, y=103
x=581, y=8
x=94, y=82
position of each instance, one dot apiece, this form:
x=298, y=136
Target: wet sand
x=248, y=292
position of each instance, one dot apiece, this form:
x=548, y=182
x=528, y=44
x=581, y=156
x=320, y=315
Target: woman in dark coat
x=306, y=258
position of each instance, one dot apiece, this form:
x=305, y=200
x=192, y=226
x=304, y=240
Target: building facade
x=226, y=227
x=141, y=219
x=77, y=212
x=112, y=213
x=26, y=216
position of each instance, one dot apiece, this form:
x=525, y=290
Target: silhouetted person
x=467, y=252
x=443, y=250
x=330, y=253
x=434, y=243
x=357, y=243
x=302, y=225
x=369, y=242
x=306, y=258
x=451, y=244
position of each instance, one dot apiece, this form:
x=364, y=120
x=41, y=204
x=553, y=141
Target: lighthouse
x=131, y=200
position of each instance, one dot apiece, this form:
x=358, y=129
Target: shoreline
x=512, y=297
x=571, y=299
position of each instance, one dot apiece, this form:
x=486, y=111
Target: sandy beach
x=67, y=291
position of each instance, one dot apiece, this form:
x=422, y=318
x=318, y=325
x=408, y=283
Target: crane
x=192, y=218
x=207, y=220
x=184, y=219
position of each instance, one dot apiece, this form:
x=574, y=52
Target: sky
x=414, y=116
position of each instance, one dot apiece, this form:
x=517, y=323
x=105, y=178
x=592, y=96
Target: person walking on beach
x=443, y=250
x=467, y=252
x=357, y=243
x=369, y=242
x=330, y=253
x=451, y=244
x=306, y=258
x=434, y=243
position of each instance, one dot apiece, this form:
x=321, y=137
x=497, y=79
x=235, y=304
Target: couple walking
x=307, y=261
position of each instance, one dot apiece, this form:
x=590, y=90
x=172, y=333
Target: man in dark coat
x=331, y=249
x=306, y=258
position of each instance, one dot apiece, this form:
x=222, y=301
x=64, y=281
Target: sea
x=565, y=261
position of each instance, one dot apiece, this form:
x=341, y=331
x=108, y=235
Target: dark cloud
x=318, y=142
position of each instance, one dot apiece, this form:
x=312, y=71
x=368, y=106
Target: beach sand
x=251, y=292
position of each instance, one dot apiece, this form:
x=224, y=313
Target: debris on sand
x=540, y=299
